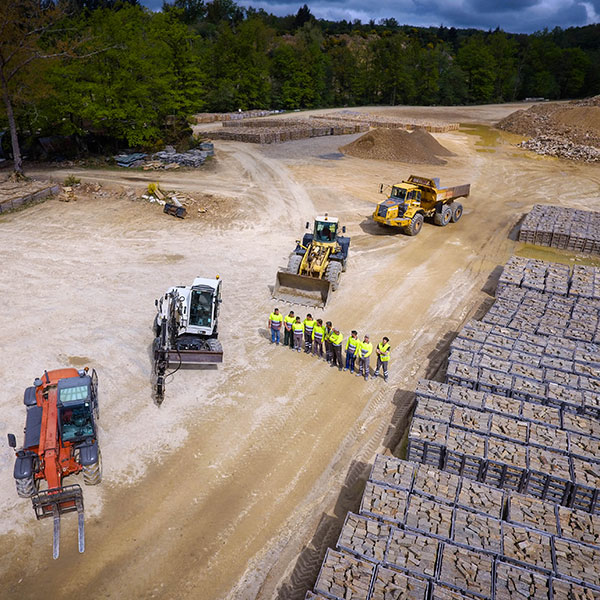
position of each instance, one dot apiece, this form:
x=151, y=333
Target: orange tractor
x=60, y=440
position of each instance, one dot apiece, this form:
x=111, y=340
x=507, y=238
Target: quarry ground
x=237, y=484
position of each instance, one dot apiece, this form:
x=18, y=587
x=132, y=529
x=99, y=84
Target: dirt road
x=234, y=486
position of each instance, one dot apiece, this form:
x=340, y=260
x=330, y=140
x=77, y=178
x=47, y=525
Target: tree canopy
x=143, y=67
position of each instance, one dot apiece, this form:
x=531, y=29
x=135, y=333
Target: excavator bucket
x=301, y=289
x=55, y=502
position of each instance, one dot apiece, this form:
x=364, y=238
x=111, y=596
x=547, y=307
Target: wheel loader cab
x=75, y=405
x=325, y=231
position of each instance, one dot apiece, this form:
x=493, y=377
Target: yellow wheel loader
x=315, y=266
x=417, y=198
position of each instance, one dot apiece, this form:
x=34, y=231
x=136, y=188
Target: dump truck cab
x=416, y=198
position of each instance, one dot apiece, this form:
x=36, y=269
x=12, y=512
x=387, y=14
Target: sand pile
x=417, y=146
x=569, y=130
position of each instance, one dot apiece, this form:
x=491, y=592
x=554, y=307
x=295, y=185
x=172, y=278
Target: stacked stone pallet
x=236, y=116
x=273, y=131
x=390, y=122
x=507, y=450
x=576, y=319
x=564, y=228
x=552, y=370
x=487, y=543
x=550, y=278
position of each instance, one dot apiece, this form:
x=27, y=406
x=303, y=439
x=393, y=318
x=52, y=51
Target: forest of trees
x=116, y=69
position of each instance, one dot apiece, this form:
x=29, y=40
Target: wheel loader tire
x=332, y=274
x=457, y=211
x=294, y=263
x=26, y=487
x=443, y=217
x=416, y=224
x=92, y=474
x=214, y=345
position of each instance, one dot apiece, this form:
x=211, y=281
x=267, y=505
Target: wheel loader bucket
x=301, y=289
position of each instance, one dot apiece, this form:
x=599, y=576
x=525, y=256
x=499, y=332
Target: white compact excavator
x=185, y=329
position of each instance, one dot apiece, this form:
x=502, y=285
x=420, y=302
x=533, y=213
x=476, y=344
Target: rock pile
x=567, y=130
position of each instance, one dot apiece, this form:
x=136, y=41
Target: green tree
x=478, y=64
x=504, y=50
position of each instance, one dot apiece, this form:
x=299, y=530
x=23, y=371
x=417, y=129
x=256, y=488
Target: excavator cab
x=201, y=307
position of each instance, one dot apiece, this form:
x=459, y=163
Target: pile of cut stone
x=500, y=499
x=168, y=158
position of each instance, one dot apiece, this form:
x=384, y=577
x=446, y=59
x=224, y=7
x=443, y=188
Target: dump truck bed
x=451, y=193
x=301, y=289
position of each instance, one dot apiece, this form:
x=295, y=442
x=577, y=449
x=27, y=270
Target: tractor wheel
x=26, y=487
x=443, y=217
x=92, y=474
x=332, y=273
x=294, y=263
x=214, y=345
x=457, y=211
x=416, y=224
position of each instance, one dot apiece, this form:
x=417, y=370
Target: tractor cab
x=76, y=402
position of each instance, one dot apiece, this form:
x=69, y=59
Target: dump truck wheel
x=416, y=224
x=294, y=263
x=214, y=345
x=457, y=211
x=332, y=274
x=26, y=487
x=92, y=474
x=443, y=217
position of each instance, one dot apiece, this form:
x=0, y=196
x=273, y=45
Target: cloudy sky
x=516, y=16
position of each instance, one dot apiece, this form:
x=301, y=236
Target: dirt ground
x=235, y=486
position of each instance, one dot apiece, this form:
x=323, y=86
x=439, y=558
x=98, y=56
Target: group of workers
x=311, y=335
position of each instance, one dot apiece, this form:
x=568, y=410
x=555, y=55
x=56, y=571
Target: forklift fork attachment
x=55, y=502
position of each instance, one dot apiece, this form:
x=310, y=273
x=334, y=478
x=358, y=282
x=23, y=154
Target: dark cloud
x=516, y=16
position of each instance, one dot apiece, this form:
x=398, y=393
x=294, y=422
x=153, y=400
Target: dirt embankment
x=417, y=146
x=569, y=130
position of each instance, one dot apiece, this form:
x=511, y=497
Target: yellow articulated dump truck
x=416, y=198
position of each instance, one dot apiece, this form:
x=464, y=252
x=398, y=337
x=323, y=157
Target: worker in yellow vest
x=328, y=332
x=298, y=330
x=309, y=324
x=335, y=339
x=383, y=358
x=364, y=358
x=275, y=324
x=288, y=336
x=317, y=338
x=352, y=346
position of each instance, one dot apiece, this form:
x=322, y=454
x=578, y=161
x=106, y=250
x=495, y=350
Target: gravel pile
x=418, y=147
